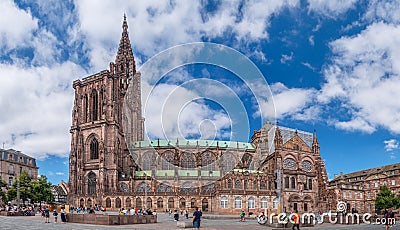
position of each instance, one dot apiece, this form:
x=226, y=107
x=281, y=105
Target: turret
x=315, y=144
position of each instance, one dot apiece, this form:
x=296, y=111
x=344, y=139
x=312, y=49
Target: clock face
x=123, y=187
x=289, y=163
x=306, y=166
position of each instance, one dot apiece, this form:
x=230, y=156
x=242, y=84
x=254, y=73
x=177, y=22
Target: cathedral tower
x=99, y=157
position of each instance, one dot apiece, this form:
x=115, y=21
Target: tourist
x=63, y=216
x=242, y=214
x=186, y=213
x=296, y=220
x=55, y=214
x=169, y=212
x=392, y=219
x=46, y=215
x=176, y=215
x=196, y=218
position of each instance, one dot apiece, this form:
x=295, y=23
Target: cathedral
x=279, y=170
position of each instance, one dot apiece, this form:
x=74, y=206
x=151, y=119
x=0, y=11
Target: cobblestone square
x=164, y=222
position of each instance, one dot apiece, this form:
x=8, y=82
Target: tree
x=2, y=185
x=23, y=183
x=42, y=191
x=385, y=198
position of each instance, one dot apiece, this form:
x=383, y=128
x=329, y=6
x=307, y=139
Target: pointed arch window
x=95, y=105
x=207, y=161
x=263, y=186
x=167, y=161
x=143, y=187
x=187, y=160
x=229, y=183
x=85, y=108
x=228, y=162
x=147, y=162
x=94, y=149
x=91, y=183
x=238, y=184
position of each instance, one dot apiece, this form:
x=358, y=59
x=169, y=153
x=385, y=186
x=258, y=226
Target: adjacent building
x=358, y=189
x=13, y=163
x=279, y=170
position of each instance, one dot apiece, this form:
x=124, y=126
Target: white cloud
x=308, y=65
x=285, y=58
x=391, y=145
x=291, y=101
x=331, y=8
x=16, y=26
x=365, y=76
x=387, y=10
x=157, y=25
x=60, y=173
x=36, y=107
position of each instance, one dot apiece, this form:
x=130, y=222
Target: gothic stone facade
x=281, y=169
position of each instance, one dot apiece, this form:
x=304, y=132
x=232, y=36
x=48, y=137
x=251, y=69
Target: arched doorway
x=138, y=203
x=118, y=202
x=128, y=203
x=204, y=205
x=182, y=203
x=81, y=203
x=89, y=202
x=149, y=203
x=160, y=203
x=193, y=203
x=171, y=203
x=108, y=202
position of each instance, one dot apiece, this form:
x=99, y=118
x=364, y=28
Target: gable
x=296, y=143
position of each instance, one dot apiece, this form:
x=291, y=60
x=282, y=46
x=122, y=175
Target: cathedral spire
x=315, y=144
x=125, y=59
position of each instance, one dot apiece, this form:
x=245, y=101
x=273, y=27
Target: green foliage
x=2, y=194
x=42, y=190
x=385, y=199
x=23, y=183
x=36, y=190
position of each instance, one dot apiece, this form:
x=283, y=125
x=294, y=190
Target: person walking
x=176, y=215
x=242, y=214
x=55, y=214
x=63, y=216
x=296, y=220
x=46, y=215
x=196, y=218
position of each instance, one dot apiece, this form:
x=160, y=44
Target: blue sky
x=333, y=66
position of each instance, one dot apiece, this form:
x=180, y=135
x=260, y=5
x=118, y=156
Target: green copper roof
x=193, y=143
